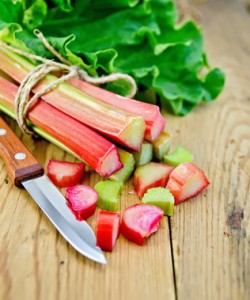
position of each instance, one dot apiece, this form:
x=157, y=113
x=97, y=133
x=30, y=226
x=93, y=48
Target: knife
x=25, y=171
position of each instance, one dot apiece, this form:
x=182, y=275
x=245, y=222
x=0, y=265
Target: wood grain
x=210, y=235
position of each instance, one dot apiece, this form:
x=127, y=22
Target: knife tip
x=103, y=260
x=97, y=256
x=100, y=259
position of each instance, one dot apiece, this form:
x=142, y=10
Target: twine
x=23, y=101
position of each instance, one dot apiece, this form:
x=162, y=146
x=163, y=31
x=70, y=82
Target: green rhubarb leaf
x=62, y=45
x=213, y=84
x=10, y=12
x=35, y=14
x=120, y=86
x=166, y=13
x=64, y=5
x=101, y=60
x=9, y=35
x=111, y=4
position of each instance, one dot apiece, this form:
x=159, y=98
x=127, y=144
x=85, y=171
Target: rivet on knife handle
x=20, y=162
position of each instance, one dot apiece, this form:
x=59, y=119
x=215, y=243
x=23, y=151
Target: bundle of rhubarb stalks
x=121, y=139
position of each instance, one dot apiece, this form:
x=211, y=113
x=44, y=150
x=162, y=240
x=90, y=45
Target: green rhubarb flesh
x=108, y=194
x=127, y=159
x=162, y=145
x=145, y=155
x=178, y=156
x=119, y=125
x=161, y=197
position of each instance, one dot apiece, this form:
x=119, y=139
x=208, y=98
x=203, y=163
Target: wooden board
x=210, y=235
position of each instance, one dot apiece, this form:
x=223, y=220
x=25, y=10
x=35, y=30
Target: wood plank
x=37, y=263
x=211, y=234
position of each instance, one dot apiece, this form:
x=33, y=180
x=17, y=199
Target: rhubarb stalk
x=121, y=126
x=151, y=114
x=92, y=148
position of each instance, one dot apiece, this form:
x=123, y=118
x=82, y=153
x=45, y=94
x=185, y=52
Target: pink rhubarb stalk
x=121, y=126
x=82, y=200
x=151, y=114
x=92, y=148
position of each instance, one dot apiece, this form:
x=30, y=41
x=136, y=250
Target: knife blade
x=25, y=171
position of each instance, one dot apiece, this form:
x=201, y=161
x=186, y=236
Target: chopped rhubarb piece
x=108, y=192
x=162, y=145
x=151, y=114
x=64, y=174
x=119, y=125
x=68, y=133
x=139, y=221
x=186, y=181
x=107, y=230
x=178, y=156
x=145, y=155
x=151, y=175
x=125, y=172
x=82, y=200
x=160, y=197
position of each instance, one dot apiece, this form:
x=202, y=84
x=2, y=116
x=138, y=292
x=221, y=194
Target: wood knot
x=247, y=6
x=235, y=218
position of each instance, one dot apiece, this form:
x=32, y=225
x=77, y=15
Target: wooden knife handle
x=20, y=162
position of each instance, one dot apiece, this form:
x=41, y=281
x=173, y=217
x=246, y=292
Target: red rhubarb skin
x=139, y=221
x=181, y=176
x=151, y=114
x=106, y=223
x=141, y=189
x=69, y=174
x=91, y=147
x=82, y=201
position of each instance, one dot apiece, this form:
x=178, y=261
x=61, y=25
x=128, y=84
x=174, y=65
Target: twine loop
x=23, y=101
